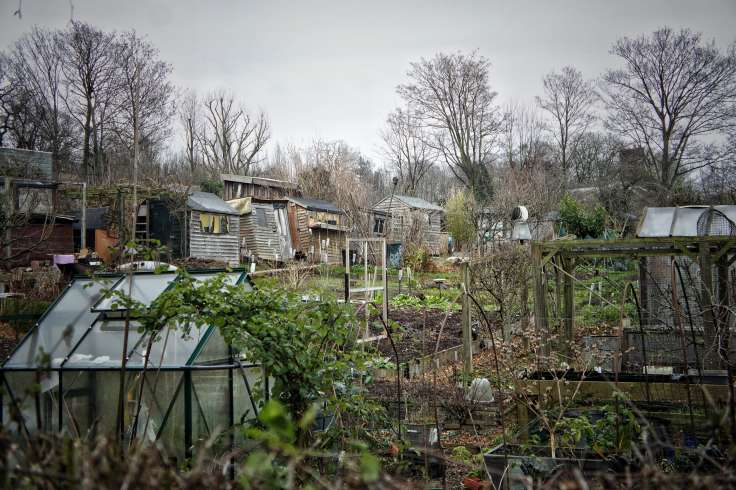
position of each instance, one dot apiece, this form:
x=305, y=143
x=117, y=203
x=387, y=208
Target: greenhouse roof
x=81, y=329
x=683, y=221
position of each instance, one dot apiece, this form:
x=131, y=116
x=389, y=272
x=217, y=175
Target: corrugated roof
x=416, y=202
x=316, y=205
x=677, y=221
x=264, y=181
x=209, y=203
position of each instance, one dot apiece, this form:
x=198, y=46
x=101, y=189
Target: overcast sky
x=329, y=68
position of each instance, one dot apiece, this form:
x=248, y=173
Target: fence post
x=568, y=265
x=710, y=361
x=467, y=334
x=540, y=296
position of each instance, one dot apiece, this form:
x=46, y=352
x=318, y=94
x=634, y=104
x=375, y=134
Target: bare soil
x=419, y=331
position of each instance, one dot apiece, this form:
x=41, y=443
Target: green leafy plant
x=581, y=221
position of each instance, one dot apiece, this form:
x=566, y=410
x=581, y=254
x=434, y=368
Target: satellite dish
x=520, y=214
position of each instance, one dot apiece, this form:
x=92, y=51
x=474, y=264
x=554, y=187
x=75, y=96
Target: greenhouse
x=65, y=374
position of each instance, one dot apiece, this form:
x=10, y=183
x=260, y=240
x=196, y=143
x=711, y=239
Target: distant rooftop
x=414, y=202
x=316, y=205
x=209, y=203
x=264, y=181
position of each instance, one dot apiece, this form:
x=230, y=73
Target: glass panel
x=169, y=398
x=657, y=222
x=232, y=277
x=20, y=409
x=103, y=346
x=686, y=221
x=78, y=408
x=245, y=400
x=215, y=350
x=210, y=405
x=145, y=289
x=171, y=348
x=62, y=327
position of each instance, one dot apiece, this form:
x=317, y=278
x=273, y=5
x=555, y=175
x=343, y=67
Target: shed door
x=282, y=228
x=293, y=226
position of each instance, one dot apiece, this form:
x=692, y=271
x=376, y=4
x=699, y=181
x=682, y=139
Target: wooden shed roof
x=413, y=202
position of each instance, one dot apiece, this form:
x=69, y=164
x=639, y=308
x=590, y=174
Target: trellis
x=708, y=252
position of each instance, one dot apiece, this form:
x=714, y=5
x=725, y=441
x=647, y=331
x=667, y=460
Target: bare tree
x=89, y=74
x=231, y=138
x=673, y=91
x=329, y=170
x=35, y=71
x=452, y=97
x=406, y=147
x=569, y=99
x=146, y=98
x=593, y=156
x=523, y=137
x=190, y=120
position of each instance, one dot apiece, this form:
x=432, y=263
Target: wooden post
x=10, y=210
x=710, y=361
x=467, y=333
x=643, y=292
x=540, y=295
x=568, y=265
x=346, y=274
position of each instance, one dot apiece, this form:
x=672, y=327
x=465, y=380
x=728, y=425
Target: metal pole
x=385, y=283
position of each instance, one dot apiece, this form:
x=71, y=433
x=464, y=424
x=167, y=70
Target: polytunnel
x=65, y=374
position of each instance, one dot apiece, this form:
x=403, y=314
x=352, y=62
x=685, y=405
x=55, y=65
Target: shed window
x=215, y=224
x=378, y=224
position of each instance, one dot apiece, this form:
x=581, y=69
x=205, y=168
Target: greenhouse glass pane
x=103, y=346
x=246, y=403
x=210, y=403
x=215, y=350
x=145, y=289
x=686, y=221
x=657, y=222
x=232, y=277
x=61, y=327
x=171, y=348
x=78, y=408
x=20, y=409
x=164, y=403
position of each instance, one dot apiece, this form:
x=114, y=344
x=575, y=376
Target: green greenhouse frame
x=65, y=373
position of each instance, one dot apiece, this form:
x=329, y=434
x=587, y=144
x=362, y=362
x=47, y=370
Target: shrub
x=581, y=221
x=417, y=257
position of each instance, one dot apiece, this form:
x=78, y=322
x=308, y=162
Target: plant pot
x=475, y=483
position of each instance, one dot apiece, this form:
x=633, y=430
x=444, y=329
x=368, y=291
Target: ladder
x=141, y=224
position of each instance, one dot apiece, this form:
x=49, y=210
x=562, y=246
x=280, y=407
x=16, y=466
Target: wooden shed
x=264, y=229
x=402, y=218
x=318, y=230
x=213, y=228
